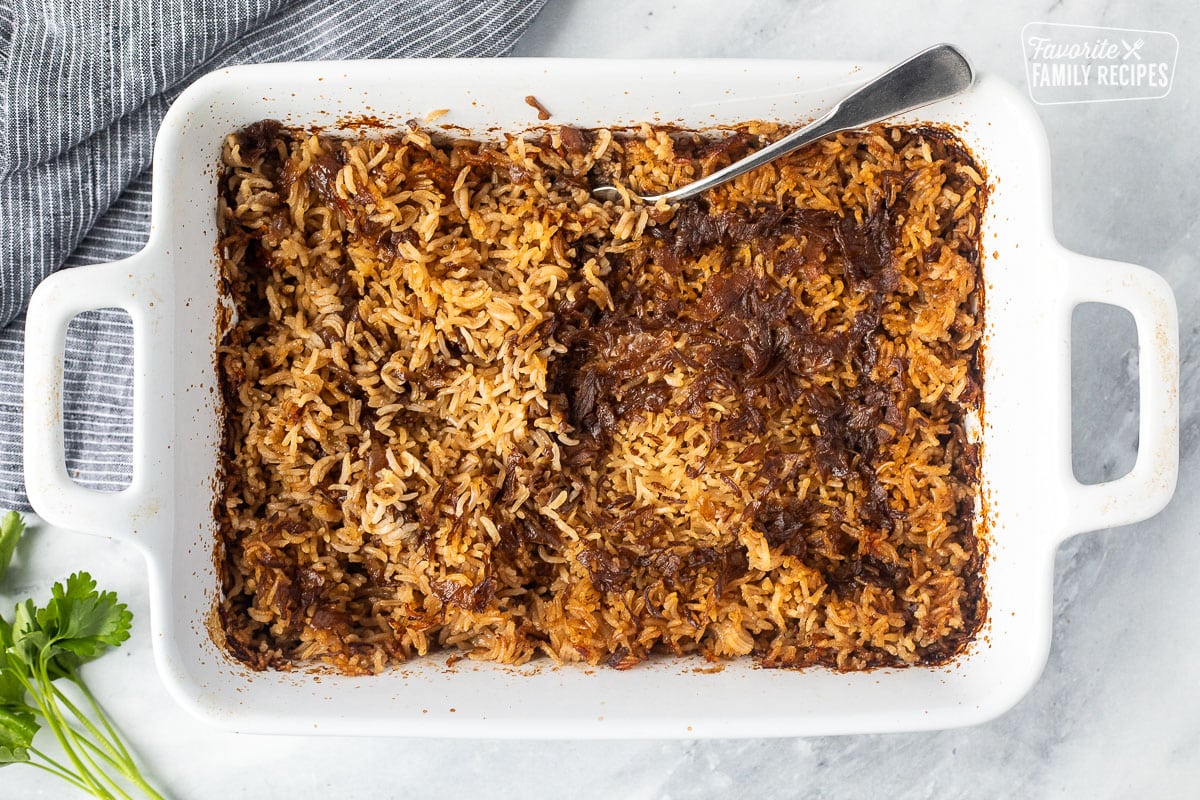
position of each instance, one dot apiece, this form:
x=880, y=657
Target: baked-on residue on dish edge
x=468, y=407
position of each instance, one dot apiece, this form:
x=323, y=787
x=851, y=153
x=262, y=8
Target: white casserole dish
x=1031, y=500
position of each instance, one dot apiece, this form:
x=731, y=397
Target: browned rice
x=403, y=468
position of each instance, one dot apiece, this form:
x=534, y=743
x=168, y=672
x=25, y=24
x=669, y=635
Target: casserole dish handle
x=1147, y=488
x=137, y=512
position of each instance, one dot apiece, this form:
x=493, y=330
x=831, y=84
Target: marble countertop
x=1116, y=712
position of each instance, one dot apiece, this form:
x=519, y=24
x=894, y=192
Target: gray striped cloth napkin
x=83, y=87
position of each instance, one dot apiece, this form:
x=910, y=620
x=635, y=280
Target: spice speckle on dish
x=533, y=102
x=468, y=407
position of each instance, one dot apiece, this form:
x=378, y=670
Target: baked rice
x=470, y=408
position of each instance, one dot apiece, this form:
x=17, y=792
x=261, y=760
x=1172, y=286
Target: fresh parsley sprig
x=41, y=650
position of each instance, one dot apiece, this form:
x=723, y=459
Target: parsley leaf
x=17, y=729
x=11, y=528
x=12, y=691
x=81, y=621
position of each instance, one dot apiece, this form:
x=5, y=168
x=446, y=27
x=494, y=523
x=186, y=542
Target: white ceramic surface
x=1032, y=502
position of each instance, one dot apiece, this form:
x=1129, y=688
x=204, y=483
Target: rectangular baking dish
x=1030, y=499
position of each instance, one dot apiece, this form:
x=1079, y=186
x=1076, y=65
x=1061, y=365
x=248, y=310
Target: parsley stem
x=127, y=770
x=85, y=745
x=55, y=723
x=146, y=788
x=103, y=717
x=66, y=776
x=88, y=744
x=117, y=755
x=53, y=694
x=114, y=749
x=116, y=791
x=55, y=768
x=50, y=760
